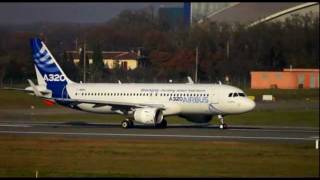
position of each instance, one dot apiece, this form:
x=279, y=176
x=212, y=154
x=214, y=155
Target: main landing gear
x=127, y=123
x=162, y=125
x=222, y=124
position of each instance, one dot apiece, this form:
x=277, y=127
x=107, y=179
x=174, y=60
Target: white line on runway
x=274, y=130
x=158, y=135
x=14, y=125
x=249, y=128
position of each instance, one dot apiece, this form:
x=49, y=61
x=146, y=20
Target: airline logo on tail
x=49, y=69
x=42, y=58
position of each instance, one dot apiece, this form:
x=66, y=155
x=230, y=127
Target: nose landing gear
x=222, y=124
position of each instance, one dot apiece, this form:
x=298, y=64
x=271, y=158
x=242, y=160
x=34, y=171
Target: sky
x=25, y=13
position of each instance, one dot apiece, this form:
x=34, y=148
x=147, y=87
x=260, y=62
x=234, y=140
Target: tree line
x=225, y=50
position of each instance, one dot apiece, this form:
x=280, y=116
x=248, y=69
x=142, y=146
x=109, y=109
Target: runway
x=174, y=131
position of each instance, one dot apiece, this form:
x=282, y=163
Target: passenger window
x=235, y=94
x=241, y=94
x=230, y=95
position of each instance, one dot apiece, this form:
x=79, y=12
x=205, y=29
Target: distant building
x=286, y=79
x=250, y=13
x=201, y=10
x=127, y=60
x=173, y=17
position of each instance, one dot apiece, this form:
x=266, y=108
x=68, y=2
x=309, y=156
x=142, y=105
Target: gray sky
x=22, y=13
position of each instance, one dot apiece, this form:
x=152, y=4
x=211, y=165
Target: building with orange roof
x=111, y=59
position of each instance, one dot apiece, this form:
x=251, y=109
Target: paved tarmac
x=174, y=131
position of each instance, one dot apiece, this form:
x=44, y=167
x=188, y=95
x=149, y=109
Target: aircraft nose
x=249, y=104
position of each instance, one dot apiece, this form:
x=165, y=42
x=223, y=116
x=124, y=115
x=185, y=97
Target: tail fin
x=48, y=70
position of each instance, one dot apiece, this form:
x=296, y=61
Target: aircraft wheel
x=131, y=124
x=126, y=124
x=223, y=126
x=162, y=125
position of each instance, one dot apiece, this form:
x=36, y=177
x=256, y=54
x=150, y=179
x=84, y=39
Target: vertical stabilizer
x=48, y=70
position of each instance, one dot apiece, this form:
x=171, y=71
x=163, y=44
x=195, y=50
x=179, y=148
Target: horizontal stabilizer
x=25, y=90
x=35, y=90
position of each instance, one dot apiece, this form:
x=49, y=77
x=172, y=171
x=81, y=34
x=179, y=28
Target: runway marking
x=274, y=130
x=174, y=125
x=14, y=125
x=159, y=135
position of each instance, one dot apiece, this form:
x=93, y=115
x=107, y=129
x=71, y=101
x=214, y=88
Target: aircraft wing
x=99, y=103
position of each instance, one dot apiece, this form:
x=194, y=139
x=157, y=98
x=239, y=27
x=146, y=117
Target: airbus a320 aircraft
x=148, y=104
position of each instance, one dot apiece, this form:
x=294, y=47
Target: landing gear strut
x=127, y=123
x=222, y=124
x=163, y=124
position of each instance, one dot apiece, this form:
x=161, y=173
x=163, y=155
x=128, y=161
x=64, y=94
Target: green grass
x=57, y=156
x=307, y=118
x=285, y=94
x=14, y=99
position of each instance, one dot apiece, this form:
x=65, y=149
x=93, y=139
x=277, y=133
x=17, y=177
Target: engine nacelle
x=148, y=115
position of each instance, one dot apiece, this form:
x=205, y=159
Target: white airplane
x=143, y=103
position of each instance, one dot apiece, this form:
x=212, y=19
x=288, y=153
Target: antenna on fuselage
x=190, y=81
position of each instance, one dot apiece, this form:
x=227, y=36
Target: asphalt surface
x=174, y=131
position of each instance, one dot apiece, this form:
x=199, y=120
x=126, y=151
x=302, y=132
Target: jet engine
x=148, y=115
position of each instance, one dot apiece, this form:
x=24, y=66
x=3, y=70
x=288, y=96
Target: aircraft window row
x=236, y=94
x=137, y=94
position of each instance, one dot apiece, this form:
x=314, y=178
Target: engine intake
x=148, y=115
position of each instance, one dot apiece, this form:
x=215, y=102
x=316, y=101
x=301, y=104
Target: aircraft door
x=214, y=98
x=214, y=103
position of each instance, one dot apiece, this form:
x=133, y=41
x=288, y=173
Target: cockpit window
x=235, y=94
